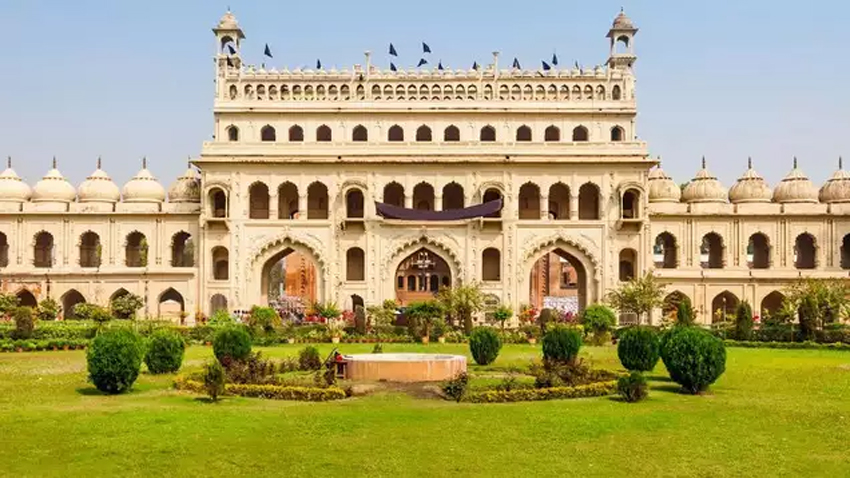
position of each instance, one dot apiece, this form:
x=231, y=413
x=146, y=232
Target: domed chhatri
x=622, y=21
x=12, y=187
x=144, y=187
x=704, y=188
x=53, y=187
x=750, y=188
x=795, y=188
x=837, y=188
x=662, y=188
x=228, y=21
x=98, y=187
x=187, y=188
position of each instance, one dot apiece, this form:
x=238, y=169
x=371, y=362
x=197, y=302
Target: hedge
x=599, y=389
x=749, y=344
x=274, y=392
x=9, y=345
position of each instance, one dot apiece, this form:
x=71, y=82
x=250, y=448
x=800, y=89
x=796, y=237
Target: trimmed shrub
x=221, y=318
x=743, y=321
x=808, y=313
x=309, y=359
x=231, y=343
x=632, y=387
x=638, y=348
x=537, y=394
x=214, y=384
x=48, y=309
x=93, y=312
x=484, y=344
x=114, y=360
x=263, y=318
x=360, y=320
x=274, y=392
x=455, y=388
x=125, y=306
x=24, y=322
x=598, y=320
x=165, y=352
x=561, y=344
x=685, y=312
x=694, y=357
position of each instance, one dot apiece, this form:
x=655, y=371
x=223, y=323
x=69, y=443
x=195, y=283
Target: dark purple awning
x=389, y=211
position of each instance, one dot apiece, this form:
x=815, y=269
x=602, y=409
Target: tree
x=829, y=296
x=743, y=321
x=638, y=296
x=463, y=302
x=8, y=304
x=502, y=314
x=48, y=309
x=125, y=306
x=421, y=315
x=684, y=312
x=383, y=314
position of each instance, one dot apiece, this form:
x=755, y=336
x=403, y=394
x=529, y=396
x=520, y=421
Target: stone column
x=302, y=207
x=573, y=208
x=544, y=207
x=438, y=203
x=408, y=201
x=273, y=204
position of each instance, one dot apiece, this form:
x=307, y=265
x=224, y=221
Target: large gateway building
x=361, y=185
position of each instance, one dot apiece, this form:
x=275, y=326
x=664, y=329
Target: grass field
x=774, y=413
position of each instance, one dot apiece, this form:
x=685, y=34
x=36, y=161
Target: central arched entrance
x=420, y=276
x=289, y=282
x=558, y=281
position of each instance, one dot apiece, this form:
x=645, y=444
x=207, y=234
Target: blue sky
x=722, y=79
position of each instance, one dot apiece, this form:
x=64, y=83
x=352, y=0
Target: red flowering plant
x=528, y=314
x=348, y=317
x=569, y=318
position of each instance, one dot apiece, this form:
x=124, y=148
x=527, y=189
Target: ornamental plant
x=632, y=387
x=48, y=309
x=685, y=312
x=502, y=314
x=598, y=320
x=221, y=318
x=484, y=344
x=24, y=323
x=546, y=317
x=214, y=380
x=165, y=352
x=125, y=306
x=231, y=344
x=114, y=360
x=561, y=344
x=694, y=357
x=263, y=318
x=638, y=348
x=309, y=359
x=743, y=321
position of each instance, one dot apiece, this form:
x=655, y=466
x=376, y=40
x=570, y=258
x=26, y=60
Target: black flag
x=268, y=51
x=578, y=67
x=440, y=65
x=516, y=64
x=475, y=65
x=231, y=49
x=554, y=59
x=318, y=64
x=392, y=50
x=546, y=66
x=425, y=48
x=422, y=61
x=392, y=67
x=229, y=63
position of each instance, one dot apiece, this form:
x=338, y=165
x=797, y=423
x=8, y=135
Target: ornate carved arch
x=575, y=244
x=404, y=247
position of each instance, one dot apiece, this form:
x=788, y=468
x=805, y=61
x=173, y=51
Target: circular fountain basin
x=404, y=367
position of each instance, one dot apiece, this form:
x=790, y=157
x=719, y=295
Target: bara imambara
x=364, y=184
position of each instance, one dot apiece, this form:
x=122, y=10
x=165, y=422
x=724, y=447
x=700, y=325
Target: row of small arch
x=72, y=297
x=435, y=92
x=724, y=304
x=395, y=133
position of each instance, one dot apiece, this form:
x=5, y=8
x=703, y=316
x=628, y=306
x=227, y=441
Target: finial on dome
x=9, y=162
x=144, y=162
x=750, y=162
x=795, y=162
x=98, y=162
x=703, y=162
x=54, y=162
x=840, y=163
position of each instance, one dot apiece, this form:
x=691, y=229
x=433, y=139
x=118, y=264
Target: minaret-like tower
x=622, y=36
x=228, y=38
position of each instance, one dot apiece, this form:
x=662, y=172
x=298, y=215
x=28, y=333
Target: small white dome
x=187, y=188
x=98, y=187
x=143, y=187
x=12, y=187
x=704, y=188
x=662, y=188
x=228, y=22
x=795, y=188
x=837, y=188
x=53, y=187
x=751, y=187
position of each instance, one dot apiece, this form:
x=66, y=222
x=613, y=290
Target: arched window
x=26, y=299
x=70, y=300
x=617, y=134
x=580, y=134
x=529, y=201
x=182, y=250
x=218, y=302
x=758, y=251
x=268, y=134
x=552, y=134
x=395, y=133
x=423, y=134
x=218, y=203
x=423, y=197
x=324, y=134
x=491, y=264
x=615, y=93
x=628, y=264
x=665, y=251
x=232, y=133
x=170, y=304
x=317, y=201
x=296, y=134
x=488, y=134
x=355, y=261
x=136, y=250
x=492, y=194
x=629, y=208
x=43, y=253
x=89, y=250
x=723, y=307
x=559, y=202
x=845, y=252
x=360, y=134
x=287, y=201
x=452, y=196
x=771, y=304
x=588, y=202
x=711, y=251
x=394, y=194
x=354, y=203
x=258, y=201
x=4, y=250
x=523, y=133
x=452, y=133
x=220, y=263
x=805, y=252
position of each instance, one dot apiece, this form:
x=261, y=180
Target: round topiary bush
x=114, y=360
x=561, y=344
x=598, y=320
x=638, y=348
x=694, y=357
x=231, y=343
x=309, y=359
x=165, y=352
x=484, y=344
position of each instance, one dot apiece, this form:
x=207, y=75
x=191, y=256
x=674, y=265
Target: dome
x=187, y=188
x=228, y=22
x=12, y=188
x=795, y=188
x=53, y=187
x=662, y=188
x=98, y=188
x=751, y=187
x=143, y=187
x=704, y=188
x=837, y=188
x=623, y=22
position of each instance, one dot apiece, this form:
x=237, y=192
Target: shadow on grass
x=207, y=400
x=659, y=379
x=677, y=389
x=91, y=391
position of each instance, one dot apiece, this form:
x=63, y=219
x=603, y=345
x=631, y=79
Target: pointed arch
x=69, y=300
x=136, y=250
x=324, y=134
x=217, y=201
x=26, y=299
x=121, y=292
x=43, y=249
x=588, y=202
x=559, y=202
x=170, y=304
x=523, y=134
x=258, y=201
x=317, y=201
x=552, y=134
x=529, y=201
x=355, y=264
x=712, y=251
x=580, y=134
x=488, y=134
x=617, y=134
x=182, y=250
x=423, y=134
x=90, y=249
x=616, y=93
x=453, y=197
x=296, y=134
x=423, y=196
x=232, y=133
x=665, y=252
x=220, y=263
x=758, y=251
x=451, y=134
x=360, y=134
x=771, y=304
x=723, y=306
x=627, y=264
x=805, y=251
x=395, y=133
x=268, y=134
x=394, y=194
x=287, y=201
x=354, y=203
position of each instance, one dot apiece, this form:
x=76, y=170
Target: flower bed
x=274, y=392
x=598, y=389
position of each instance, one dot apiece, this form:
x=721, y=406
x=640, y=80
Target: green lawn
x=774, y=413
